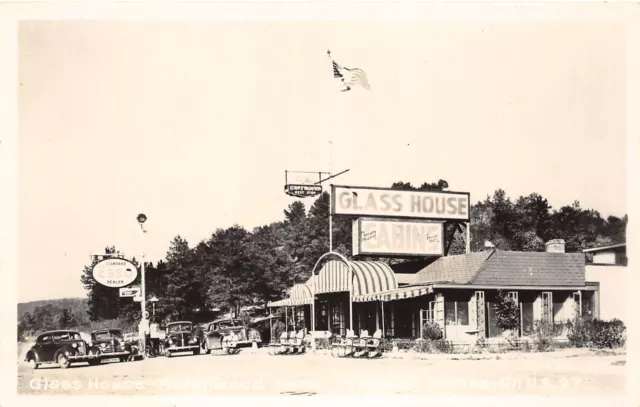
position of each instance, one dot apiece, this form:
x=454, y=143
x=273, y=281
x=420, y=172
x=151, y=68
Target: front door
x=46, y=348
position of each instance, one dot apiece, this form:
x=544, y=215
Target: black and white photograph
x=324, y=205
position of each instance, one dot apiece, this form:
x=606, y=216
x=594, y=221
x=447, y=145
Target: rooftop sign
x=395, y=203
x=397, y=237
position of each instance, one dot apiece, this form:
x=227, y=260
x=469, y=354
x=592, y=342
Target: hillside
x=77, y=305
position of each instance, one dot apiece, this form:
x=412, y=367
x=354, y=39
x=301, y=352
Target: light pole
x=142, y=218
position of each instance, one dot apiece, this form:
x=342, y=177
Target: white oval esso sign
x=115, y=272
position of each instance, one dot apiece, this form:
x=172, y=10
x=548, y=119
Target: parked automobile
x=111, y=344
x=180, y=337
x=230, y=331
x=62, y=347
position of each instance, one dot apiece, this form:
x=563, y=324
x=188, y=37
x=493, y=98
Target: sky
x=194, y=123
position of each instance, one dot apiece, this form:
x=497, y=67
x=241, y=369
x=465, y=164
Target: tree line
x=236, y=269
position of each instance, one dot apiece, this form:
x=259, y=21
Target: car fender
x=32, y=354
x=66, y=349
x=214, y=340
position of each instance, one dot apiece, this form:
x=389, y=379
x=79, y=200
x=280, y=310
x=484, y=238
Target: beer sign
x=302, y=191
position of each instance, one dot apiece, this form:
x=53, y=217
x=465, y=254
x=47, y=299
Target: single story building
x=456, y=292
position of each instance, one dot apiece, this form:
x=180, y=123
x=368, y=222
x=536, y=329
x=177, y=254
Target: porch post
x=270, y=324
x=286, y=318
x=382, y=307
x=350, y=297
x=350, y=311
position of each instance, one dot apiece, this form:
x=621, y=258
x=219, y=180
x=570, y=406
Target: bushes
x=431, y=331
x=418, y=345
x=323, y=343
x=588, y=332
x=443, y=346
x=543, y=333
x=507, y=313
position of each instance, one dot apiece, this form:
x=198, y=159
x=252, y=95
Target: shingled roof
x=459, y=269
x=505, y=268
x=532, y=268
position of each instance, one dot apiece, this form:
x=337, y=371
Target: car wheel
x=33, y=364
x=63, y=361
x=196, y=351
x=94, y=362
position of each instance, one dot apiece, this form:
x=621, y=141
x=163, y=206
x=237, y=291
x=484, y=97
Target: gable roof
x=604, y=248
x=532, y=268
x=405, y=279
x=458, y=269
x=505, y=268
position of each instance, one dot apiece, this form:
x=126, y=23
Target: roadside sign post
x=144, y=323
x=130, y=292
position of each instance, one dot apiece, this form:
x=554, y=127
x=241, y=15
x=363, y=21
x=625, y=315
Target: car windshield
x=179, y=327
x=229, y=323
x=99, y=336
x=66, y=336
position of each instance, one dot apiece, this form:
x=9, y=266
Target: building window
x=337, y=318
x=456, y=312
x=322, y=321
x=547, y=307
x=389, y=321
x=300, y=323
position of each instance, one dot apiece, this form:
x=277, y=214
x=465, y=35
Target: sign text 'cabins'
x=375, y=236
x=367, y=201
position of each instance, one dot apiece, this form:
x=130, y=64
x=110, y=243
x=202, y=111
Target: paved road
x=261, y=374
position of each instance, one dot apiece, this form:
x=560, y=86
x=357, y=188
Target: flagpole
x=330, y=215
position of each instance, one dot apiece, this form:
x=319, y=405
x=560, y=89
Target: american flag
x=349, y=76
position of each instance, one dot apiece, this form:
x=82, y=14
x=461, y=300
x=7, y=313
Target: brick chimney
x=555, y=246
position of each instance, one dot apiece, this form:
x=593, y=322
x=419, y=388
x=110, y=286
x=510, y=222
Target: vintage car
x=62, y=347
x=110, y=344
x=229, y=332
x=180, y=337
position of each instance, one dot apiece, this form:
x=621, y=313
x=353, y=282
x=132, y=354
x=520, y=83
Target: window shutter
x=547, y=307
x=439, y=311
x=480, y=308
x=577, y=298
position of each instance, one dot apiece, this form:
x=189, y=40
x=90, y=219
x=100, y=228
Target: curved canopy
x=399, y=294
x=280, y=303
x=369, y=277
x=301, y=294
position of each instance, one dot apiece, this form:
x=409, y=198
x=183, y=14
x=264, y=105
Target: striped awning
x=404, y=292
x=280, y=303
x=301, y=294
x=369, y=277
